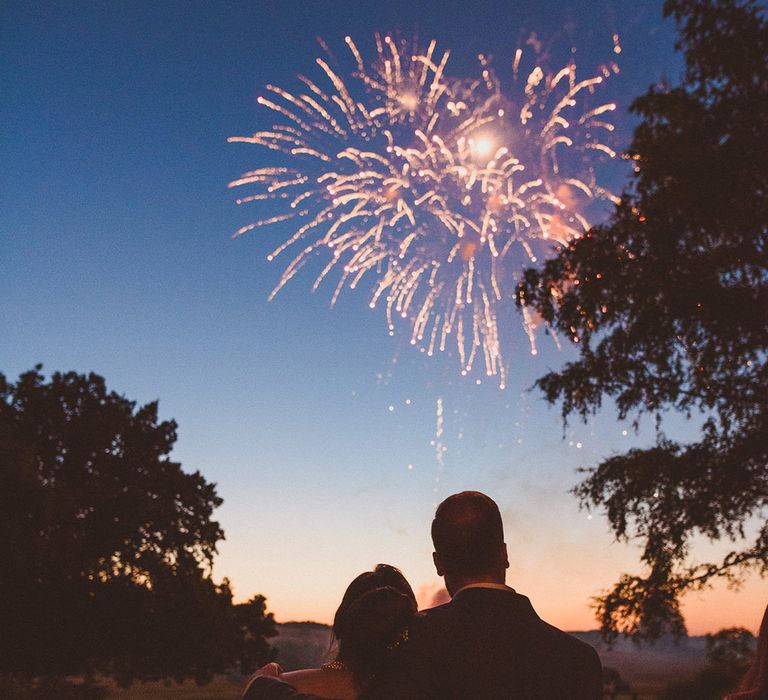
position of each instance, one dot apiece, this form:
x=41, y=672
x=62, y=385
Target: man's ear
x=438, y=564
x=506, y=556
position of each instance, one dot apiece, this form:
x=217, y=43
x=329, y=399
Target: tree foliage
x=108, y=543
x=732, y=648
x=667, y=304
x=729, y=654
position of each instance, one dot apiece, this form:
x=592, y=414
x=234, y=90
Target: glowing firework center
x=432, y=185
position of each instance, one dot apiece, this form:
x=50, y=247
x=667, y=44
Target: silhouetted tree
x=729, y=654
x=732, y=648
x=255, y=625
x=668, y=306
x=108, y=544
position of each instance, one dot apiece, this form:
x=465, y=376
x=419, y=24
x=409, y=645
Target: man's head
x=469, y=540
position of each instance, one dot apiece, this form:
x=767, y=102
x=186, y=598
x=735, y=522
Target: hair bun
x=372, y=627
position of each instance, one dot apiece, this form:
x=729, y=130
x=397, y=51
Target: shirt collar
x=494, y=586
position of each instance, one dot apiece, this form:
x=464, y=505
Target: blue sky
x=117, y=257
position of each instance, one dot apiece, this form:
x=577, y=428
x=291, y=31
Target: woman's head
x=372, y=619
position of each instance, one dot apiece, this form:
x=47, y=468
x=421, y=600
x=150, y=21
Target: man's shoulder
x=501, y=615
x=432, y=622
x=436, y=613
x=577, y=646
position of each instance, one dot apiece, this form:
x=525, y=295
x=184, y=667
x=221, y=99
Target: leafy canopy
x=108, y=543
x=667, y=304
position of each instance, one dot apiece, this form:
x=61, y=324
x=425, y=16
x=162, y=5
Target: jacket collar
x=493, y=586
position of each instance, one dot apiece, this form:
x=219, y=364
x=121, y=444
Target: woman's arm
x=265, y=684
x=272, y=688
x=337, y=684
x=270, y=683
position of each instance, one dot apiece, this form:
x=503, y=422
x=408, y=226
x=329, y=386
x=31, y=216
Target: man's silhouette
x=487, y=643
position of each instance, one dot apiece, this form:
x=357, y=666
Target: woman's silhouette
x=371, y=623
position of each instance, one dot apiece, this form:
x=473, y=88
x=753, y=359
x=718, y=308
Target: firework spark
x=431, y=185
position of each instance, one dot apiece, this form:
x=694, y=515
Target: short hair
x=468, y=534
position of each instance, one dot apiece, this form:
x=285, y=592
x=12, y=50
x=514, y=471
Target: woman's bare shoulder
x=333, y=684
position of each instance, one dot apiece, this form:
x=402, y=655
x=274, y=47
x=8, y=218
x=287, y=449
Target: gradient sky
x=117, y=257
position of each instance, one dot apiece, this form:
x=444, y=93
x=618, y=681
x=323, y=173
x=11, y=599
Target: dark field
x=647, y=670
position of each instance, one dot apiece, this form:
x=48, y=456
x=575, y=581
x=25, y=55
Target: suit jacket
x=489, y=644
x=486, y=644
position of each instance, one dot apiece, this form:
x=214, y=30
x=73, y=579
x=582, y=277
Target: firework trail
x=437, y=443
x=430, y=186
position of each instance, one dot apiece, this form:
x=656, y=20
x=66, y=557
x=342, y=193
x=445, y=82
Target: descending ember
x=431, y=186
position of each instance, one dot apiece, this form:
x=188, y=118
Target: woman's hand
x=272, y=669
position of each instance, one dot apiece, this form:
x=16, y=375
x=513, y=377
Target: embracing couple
x=486, y=643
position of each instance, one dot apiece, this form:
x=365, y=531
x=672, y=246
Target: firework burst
x=430, y=186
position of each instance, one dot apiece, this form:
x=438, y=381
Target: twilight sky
x=317, y=427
